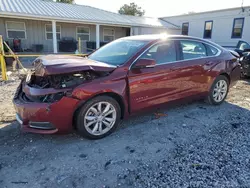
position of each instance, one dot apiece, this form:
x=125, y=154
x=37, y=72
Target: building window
x=185, y=27
x=83, y=33
x=208, y=29
x=49, y=32
x=15, y=30
x=238, y=27
x=108, y=35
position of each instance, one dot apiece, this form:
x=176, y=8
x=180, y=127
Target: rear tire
x=218, y=91
x=98, y=118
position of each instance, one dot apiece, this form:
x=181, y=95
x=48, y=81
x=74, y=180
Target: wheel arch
x=215, y=77
x=210, y=97
x=226, y=75
x=113, y=95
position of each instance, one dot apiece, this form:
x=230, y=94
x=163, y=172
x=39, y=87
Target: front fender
x=86, y=92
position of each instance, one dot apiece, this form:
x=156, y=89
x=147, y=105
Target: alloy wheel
x=220, y=91
x=100, y=118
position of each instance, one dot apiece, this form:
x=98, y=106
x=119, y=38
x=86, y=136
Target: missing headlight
x=44, y=98
x=63, y=80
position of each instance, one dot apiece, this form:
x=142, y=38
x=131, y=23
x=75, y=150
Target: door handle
x=208, y=63
x=173, y=68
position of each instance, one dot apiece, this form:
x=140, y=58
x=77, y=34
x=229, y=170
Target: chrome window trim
x=194, y=40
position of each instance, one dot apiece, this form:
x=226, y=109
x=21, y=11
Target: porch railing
x=3, y=55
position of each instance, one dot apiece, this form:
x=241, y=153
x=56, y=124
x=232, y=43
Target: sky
x=162, y=8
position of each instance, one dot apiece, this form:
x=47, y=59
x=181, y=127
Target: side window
x=162, y=53
x=192, y=49
x=211, y=51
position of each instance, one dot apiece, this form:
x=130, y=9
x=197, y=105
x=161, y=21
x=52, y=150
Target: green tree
x=66, y=1
x=131, y=9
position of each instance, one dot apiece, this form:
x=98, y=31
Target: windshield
x=117, y=52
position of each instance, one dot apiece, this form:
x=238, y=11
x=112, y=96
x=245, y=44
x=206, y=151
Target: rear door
x=194, y=67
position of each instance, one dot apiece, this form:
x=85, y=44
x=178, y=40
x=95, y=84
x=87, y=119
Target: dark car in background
x=243, y=49
x=125, y=77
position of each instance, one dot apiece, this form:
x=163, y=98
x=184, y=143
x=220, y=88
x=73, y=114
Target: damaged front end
x=50, y=80
x=44, y=102
x=54, y=87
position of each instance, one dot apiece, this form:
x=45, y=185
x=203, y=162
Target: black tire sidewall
x=210, y=96
x=83, y=110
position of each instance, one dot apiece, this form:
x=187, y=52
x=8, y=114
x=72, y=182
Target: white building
x=225, y=27
x=45, y=23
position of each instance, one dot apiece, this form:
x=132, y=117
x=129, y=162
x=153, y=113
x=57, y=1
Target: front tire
x=219, y=90
x=99, y=117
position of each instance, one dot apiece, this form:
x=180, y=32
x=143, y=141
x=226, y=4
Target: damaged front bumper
x=41, y=117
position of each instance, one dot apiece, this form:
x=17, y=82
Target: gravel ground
x=194, y=145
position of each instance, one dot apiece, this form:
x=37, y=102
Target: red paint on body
x=138, y=89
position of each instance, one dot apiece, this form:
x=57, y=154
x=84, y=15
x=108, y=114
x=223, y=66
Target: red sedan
x=132, y=74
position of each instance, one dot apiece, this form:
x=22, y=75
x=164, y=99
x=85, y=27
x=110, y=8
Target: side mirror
x=145, y=63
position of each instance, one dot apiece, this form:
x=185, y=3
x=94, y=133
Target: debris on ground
x=7, y=91
x=159, y=115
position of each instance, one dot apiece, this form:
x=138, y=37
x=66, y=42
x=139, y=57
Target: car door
x=194, y=67
x=156, y=85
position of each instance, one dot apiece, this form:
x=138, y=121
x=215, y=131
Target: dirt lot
x=195, y=145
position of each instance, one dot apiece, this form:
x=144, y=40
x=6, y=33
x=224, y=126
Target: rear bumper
x=44, y=118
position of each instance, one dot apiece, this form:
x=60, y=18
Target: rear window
x=211, y=51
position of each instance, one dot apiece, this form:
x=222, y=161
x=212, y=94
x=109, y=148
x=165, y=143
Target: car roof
x=157, y=37
x=164, y=36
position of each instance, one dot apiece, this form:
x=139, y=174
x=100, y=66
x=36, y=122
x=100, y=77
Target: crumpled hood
x=60, y=64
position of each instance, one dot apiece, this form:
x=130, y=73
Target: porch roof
x=38, y=9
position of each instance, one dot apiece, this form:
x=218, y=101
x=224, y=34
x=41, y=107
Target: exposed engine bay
x=54, y=77
x=60, y=81
x=50, y=98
